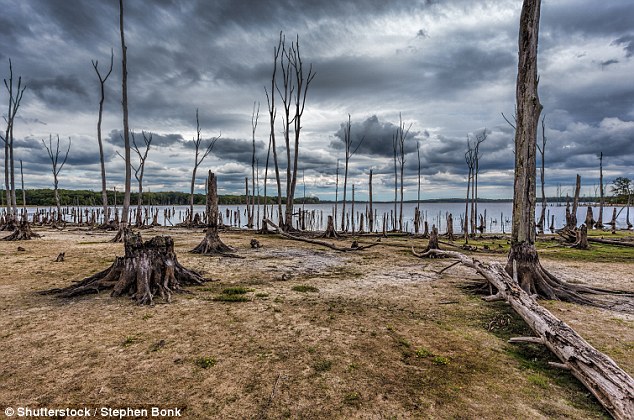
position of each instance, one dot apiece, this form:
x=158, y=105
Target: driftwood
x=612, y=386
x=321, y=243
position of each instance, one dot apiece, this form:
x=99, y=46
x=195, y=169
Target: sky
x=447, y=68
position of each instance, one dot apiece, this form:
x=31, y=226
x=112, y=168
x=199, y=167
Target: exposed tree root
x=612, y=386
x=355, y=245
x=22, y=232
x=147, y=269
x=212, y=245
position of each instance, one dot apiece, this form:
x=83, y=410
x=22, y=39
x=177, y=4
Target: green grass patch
x=304, y=289
x=423, y=352
x=322, y=365
x=236, y=290
x=231, y=298
x=440, y=360
x=205, y=362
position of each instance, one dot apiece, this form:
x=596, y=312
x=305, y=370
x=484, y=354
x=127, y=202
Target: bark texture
x=148, y=269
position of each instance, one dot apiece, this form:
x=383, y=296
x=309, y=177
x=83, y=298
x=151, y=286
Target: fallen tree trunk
x=611, y=242
x=612, y=386
x=321, y=243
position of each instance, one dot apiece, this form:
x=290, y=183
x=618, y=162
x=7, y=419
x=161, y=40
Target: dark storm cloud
x=239, y=150
x=627, y=42
x=449, y=67
x=60, y=91
x=372, y=137
x=115, y=138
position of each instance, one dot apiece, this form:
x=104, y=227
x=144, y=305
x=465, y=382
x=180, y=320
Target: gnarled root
x=148, y=269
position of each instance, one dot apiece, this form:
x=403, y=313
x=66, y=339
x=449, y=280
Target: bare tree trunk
x=102, y=98
x=126, y=128
x=599, y=222
x=56, y=168
x=272, y=116
x=23, y=190
x=542, y=150
x=212, y=244
x=371, y=210
x=575, y=204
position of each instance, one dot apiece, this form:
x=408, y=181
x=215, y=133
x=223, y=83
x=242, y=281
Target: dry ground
x=378, y=334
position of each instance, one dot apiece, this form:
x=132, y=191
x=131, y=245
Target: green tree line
x=44, y=197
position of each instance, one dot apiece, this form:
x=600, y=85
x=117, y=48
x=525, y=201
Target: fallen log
x=611, y=242
x=612, y=386
x=316, y=242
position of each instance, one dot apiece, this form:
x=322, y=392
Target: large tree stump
x=147, y=269
x=22, y=232
x=211, y=244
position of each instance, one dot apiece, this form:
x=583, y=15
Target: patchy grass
x=231, y=298
x=305, y=289
x=205, y=362
x=363, y=349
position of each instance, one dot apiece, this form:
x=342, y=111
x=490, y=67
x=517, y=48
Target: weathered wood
x=147, y=269
x=212, y=244
x=612, y=386
x=321, y=243
x=533, y=340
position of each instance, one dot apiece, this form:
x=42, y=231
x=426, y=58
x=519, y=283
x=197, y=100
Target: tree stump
x=590, y=218
x=582, y=238
x=330, y=229
x=22, y=232
x=433, y=239
x=450, y=234
x=147, y=269
x=211, y=244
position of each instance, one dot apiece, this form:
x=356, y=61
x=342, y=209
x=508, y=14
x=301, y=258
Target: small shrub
x=205, y=362
x=129, y=340
x=304, y=288
x=423, y=352
x=322, y=365
x=352, y=398
x=440, y=360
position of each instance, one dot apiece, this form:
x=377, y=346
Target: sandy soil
x=382, y=336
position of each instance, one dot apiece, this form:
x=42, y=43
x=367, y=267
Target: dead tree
x=199, y=156
x=138, y=171
x=330, y=229
x=348, y=153
x=22, y=232
x=532, y=277
x=254, y=124
x=599, y=222
x=270, y=99
x=295, y=84
x=15, y=98
x=123, y=224
x=468, y=156
x=53, y=154
x=542, y=152
x=417, y=210
x=575, y=204
x=211, y=244
x=102, y=98
x=370, y=216
x=479, y=139
x=147, y=269
x=401, y=136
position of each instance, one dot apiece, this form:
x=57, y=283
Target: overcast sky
x=448, y=67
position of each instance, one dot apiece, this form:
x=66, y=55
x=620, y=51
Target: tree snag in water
x=147, y=269
x=212, y=244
